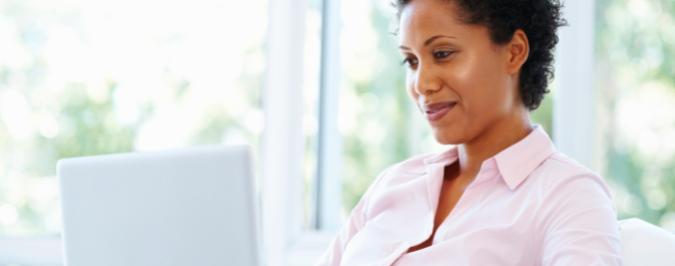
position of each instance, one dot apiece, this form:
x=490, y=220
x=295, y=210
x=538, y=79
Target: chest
x=485, y=222
x=452, y=189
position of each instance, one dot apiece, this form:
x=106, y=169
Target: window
x=83, y=77
x=635, y=79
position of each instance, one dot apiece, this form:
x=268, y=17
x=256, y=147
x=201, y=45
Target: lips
x=436, y=111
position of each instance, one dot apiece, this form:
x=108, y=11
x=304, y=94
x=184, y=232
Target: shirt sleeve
x=357, y=218
x=580, y=225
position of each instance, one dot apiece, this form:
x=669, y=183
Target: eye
x=442, y=54
x=410, y=61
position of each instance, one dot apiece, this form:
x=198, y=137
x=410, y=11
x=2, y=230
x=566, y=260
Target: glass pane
x=635, y=72
x=310, y=121
x=85, y=77
x=375, y=113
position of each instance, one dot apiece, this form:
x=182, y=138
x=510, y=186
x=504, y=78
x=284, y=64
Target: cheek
x=481, y=86
x=410, y=88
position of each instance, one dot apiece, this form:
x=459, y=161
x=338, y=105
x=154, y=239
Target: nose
x=426, y=81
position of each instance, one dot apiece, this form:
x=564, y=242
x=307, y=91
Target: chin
x=447, y=136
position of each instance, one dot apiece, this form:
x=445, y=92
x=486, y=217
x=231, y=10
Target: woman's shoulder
x=561, y=173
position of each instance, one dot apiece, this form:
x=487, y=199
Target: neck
x=491, y=141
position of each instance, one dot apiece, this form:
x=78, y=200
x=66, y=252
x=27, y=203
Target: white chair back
x=646, y=244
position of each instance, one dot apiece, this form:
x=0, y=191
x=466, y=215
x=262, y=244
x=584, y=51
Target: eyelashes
x=409, y=61
x=443, y=54
x=438, y=55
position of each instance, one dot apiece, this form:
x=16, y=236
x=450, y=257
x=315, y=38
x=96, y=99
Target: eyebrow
x=429, y=41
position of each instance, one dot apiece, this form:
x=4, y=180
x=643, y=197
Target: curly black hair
x=539, y=19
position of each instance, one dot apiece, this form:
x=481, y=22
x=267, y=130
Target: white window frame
x=328, y=179
x=286, y=241
x=282, y=143
x=31, y=251
x=574, y=116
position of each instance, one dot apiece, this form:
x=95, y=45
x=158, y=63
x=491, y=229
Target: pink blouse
x=528, y=205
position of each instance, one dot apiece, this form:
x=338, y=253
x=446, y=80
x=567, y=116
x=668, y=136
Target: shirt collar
x=514, y=163
x=446, y=157
x=519, y=160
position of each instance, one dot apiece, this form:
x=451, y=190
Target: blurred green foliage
x=635, y=45
x=88, y=113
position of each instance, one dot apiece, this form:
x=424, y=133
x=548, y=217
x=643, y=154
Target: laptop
x=184, y=207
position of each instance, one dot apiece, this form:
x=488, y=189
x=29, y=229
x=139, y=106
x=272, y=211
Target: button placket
x=483, y=176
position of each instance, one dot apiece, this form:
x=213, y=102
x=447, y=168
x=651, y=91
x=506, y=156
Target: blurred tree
x=71, y=106
x=635, y=47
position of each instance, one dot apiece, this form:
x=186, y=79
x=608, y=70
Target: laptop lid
x=182, y=207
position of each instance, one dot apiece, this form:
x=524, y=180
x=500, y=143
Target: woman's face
x=461, y=81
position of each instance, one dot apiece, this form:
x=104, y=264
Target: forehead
x=425, y=18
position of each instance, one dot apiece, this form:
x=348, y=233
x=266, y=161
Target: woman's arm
x=356, y=221
x=580, y=225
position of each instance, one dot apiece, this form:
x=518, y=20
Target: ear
x=517, y=50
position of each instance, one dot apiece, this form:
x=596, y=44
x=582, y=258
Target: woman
x=503, y=195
